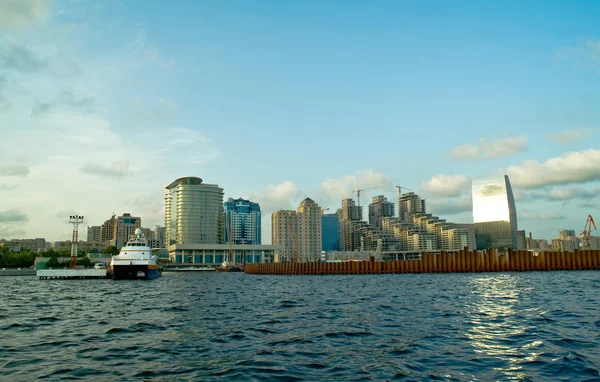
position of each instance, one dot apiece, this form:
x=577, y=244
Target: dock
x=444, y=262
x=49, y=274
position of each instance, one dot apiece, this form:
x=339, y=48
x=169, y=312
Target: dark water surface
x=208, y=326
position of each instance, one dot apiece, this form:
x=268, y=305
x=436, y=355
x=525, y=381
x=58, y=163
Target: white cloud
x=14, y=170
x=341, y=188
x=446, y=185
x=491, y=148
x=572, y=135
x=442, y=207
x=116, y=169
x=571, y=167
x=276, y=197
x=13, y=216
x=564, y=194
x=20, y=13
x=528, y=215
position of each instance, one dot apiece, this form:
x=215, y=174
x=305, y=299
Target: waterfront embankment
x=444, y=262
x=17, y=272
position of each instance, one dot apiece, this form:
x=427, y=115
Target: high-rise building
x=117, y=230
x=298, y=231
x=125, y=227
x=158, y=237
x=330, y=232
x=350, y=216
x=410, y=204
x=566, y=233
x=521, y=240
x=107, y=231
x=243, y=218
x=193, y=212
x=94, y=233
x=494, y=213
x=380, y=208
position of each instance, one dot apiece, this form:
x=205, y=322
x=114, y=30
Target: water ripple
x=457, y=327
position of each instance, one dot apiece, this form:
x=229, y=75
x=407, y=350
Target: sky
x=104, y=103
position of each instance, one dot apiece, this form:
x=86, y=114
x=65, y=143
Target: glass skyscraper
x=494, y=213
x=330, y=232
x=243, y=218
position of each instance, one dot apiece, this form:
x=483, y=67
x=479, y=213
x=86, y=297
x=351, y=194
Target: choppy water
x=522, y=326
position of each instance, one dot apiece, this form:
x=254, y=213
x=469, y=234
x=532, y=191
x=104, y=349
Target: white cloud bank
x=341, y=188
x=491, y=148
x=446, y=185
x=571, y=167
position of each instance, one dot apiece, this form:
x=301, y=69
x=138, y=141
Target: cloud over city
x=341, y=188
x=570, y=167
x=13, y=216
x=491, y=148
x=446, y=185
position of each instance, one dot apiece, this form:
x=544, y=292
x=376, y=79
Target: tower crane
x=586, y=235
x=323, y=210
x=400, y=190
x=359, y=190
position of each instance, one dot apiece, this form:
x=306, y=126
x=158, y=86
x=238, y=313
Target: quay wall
x=444, y=262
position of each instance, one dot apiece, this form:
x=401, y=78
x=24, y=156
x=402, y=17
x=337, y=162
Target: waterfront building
x=298, y=232
x=494, y=213
x=410, y=204
x=215, y=254
x=107, y=229
x=193, y=212
x=16, y=245
x=94, y=233
x=158, y=237
x=330, y=232
x=380, y=208
x=521, y=240
x=244, y=220
x=125, y=226
x=566, y=233
x=117, y=230
x=350, y=216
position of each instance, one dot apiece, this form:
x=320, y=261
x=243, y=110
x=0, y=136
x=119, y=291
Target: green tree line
x=26, y=258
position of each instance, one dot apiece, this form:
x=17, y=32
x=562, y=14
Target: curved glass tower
x=494, y=213
x=193, y=212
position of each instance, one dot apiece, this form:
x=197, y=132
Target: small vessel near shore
x=135, y=261
x=191, y=269
x=228, y=266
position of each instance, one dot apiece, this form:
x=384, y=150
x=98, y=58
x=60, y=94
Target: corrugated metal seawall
x=456, y=262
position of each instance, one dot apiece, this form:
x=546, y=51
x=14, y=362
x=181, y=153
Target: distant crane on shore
x=359, y=190
x=586, y=235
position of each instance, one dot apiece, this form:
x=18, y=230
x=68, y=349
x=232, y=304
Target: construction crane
x=323, y=210
x=358, y=191
x=294, y=242
x=400, y=190
x=586, y=235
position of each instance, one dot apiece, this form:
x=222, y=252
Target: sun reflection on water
x=497, y=326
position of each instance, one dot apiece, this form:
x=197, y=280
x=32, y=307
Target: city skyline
x=103, y=105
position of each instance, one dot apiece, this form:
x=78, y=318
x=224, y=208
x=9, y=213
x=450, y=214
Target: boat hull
x=135, y=272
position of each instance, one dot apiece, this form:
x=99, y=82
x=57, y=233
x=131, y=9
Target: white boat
x=135, y=261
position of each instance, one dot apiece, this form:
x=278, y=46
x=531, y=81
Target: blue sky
x=103, y=104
